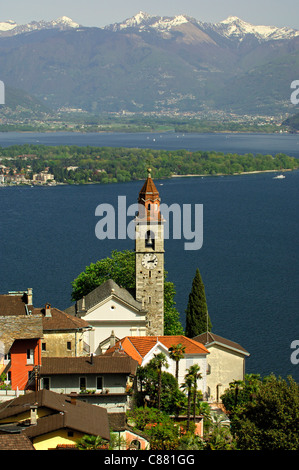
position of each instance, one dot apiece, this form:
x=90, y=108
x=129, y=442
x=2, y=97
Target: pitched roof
x=103, y=292
x=209, y=339
x=18, y=327
x=139, y=346
x=81, y=416
x=19, y=441
x=118, y=364
x=60, y=320
x=13, y=304
x=148, y=191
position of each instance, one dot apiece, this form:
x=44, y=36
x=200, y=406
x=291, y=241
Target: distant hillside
x=292, y=122
x=18, y=99
x=152, y=65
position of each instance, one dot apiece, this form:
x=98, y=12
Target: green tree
x=187, y=387
x=157, y=363
x=120, y=267
x=197, y=317
x=173, y=399
x=88, y=442
x=177, y=352
x=265, y=415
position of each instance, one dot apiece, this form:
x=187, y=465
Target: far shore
x=233, y=174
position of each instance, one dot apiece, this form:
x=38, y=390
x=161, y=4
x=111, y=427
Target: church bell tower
x=149, y=256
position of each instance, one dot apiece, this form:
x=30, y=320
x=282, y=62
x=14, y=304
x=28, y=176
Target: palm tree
x=190, y=385
x=187, y=387
x=88, y=442
x=159, y=360
x=177, y=352
x=194, y=371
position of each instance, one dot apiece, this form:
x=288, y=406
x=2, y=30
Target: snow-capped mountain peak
x=7, y=25
x=66, y=21
x=232, y=27
x=143, y=21
x=237, y=28
x=11, y=28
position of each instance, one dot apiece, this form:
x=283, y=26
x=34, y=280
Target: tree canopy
x=197, y=317
x=264, y=413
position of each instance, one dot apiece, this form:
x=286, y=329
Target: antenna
x=207, y=325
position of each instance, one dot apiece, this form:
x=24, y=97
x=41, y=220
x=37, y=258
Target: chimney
x=112, y=339
x=73, y=398
x=29, y=296
x=48, y=311
x=33, y=414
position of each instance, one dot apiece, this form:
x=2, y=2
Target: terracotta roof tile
x=60, y=320
x=18, y=441
x=139, y=346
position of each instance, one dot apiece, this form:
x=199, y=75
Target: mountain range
x=153, y=64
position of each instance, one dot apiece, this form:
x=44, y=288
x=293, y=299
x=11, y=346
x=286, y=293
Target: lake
x=248, y=261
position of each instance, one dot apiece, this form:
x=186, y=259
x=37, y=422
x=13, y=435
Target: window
x=82, y=383
x=30, y=356
x=99, y=383
x=46, y=383
x=69, y=345
x=7, y=358
x=44, y=348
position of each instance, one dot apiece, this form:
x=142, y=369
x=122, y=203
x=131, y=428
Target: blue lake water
x=248, y=261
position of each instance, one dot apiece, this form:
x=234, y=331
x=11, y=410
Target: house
x=128, y=437
x=99, y=380
x=63, y=334
x=28, y=333
x=226, y=363
x=20, y=337
x=108, y=308
x=50, y=419
x=22, y=349
x=143, y=349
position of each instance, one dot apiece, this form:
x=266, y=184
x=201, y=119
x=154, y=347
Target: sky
x=100, y=13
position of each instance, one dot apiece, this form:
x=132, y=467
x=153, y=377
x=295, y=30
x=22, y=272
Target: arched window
x=135, y=445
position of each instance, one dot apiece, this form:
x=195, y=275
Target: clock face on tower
x=149, y=261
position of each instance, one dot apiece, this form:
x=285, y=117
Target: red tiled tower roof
x=149, y=198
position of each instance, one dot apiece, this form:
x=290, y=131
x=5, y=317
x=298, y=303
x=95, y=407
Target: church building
x=112, y=311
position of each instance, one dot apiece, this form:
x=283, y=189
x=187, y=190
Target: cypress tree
x=197, y=317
